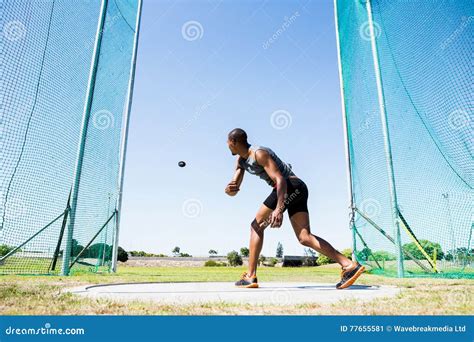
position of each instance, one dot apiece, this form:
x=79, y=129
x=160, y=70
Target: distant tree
x=347, y=252
x=145, y=254
x=310, y=257
x=261, y=259
x=97, y=250
x=234, y=259
x=185, y=255
x=76, y=248
x=364, y=254
x=176, y=251
x=212, y=252
x=460, y=253
x=122, y=255
x=244, y=251
x=429, y=248
x=323, y=260
x=382, y=255
x=271, y=262
x=5, y=249
x=279, y=251
x=212, y=263
x=310, y=253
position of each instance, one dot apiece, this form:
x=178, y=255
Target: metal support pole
x=346, y=124
x=14, y=250
x=380, y=230
x=82, y=141
x=93, y=238
x=123, y=147
x=61, y=233
x=387, y=144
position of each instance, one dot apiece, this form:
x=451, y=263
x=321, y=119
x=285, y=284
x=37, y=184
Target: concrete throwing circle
x=204, y=292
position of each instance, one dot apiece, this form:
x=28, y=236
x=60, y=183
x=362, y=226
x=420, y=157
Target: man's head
x=237, y=140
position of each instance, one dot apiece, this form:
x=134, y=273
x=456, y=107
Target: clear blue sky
x=193, y=86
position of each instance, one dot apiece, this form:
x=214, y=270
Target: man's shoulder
x=262, y=154
x=263, y=150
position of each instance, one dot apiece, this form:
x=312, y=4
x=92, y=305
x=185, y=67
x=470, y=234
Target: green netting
x=58, y=56
x=424, y=53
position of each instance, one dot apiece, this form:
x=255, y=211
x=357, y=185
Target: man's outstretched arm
x=234, y=186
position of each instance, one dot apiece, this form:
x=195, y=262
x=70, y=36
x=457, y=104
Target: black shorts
x=296, y=199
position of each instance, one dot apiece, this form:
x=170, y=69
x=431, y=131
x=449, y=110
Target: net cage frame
x=67, y=216
x=427, y=266
x=398, y=224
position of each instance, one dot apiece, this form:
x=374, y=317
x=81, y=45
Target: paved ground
x=268, y=293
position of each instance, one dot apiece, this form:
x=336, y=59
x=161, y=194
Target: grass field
x=41, y=295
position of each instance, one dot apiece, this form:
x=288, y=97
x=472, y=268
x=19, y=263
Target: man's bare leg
x=256, y=238
x=300, y=223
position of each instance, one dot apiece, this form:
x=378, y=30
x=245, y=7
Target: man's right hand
x=232, y=189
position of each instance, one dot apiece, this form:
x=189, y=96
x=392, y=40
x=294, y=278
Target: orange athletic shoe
x=349, y=275
x=246, y=282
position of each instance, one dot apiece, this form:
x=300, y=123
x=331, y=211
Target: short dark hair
x=238, y=135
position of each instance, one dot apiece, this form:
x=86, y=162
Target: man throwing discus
x=290, y=194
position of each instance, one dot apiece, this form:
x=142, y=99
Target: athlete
x=289, y=193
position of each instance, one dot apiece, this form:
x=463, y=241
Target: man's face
x=232, y=146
